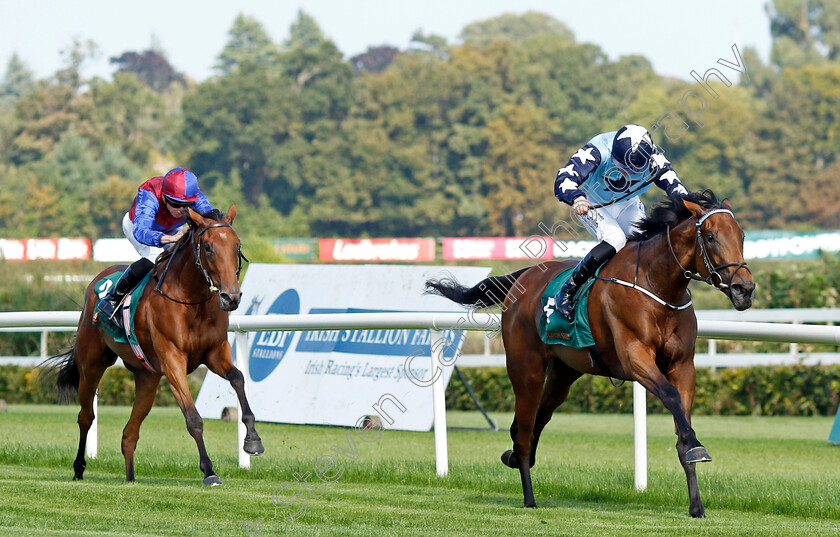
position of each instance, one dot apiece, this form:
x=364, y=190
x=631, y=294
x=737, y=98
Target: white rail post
x=241, y=343
x=439, y=404
x=43, y=344
x=640, y=435
x=92, y=442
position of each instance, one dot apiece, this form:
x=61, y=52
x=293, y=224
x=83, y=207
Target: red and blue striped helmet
x=180, y=185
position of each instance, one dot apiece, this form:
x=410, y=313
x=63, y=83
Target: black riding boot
x=564, y=301
x=129, y=279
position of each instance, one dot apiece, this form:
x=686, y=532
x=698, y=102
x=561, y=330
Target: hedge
x=35, y=385
x=795, y=390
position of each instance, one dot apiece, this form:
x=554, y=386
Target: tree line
x=439, y=139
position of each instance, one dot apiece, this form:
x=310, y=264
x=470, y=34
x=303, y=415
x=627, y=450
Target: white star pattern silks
x=584, y=155
x=660, y=161
x=568, y=184
x=568, y=170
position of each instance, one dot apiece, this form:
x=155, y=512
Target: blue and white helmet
x=632, y=148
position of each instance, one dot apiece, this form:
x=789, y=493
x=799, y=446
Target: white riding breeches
x=614, y=223
x=149, y=252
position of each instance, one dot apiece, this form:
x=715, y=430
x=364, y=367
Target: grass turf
x=770, y=476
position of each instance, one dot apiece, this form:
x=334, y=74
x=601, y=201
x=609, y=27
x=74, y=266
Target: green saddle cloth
x=102, y=287
x=554, y=328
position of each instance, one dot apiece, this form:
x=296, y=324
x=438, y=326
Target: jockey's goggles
x=177, y=203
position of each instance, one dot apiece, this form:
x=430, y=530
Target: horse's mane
x=671, y=212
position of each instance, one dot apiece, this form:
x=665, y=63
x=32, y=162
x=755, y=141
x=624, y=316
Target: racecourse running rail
x=437, y=322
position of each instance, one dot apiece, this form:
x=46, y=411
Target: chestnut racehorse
x=180, y=323
x=641, y=319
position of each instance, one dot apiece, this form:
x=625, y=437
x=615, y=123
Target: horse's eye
x=207, y=248
x=710, y=237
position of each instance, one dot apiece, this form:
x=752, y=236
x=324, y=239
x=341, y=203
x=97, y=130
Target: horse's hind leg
x=89, y=352
x=526, y=371
x=219, y=361
x=559, y=379
x=145, y=389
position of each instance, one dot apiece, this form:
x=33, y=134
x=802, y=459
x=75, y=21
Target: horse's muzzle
x=741, y=295
x=229, y=301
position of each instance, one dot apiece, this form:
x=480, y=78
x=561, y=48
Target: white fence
x=435, y=322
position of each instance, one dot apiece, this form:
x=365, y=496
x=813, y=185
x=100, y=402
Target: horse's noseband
x=721, y=283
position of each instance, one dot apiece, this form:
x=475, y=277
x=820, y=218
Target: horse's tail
x=66, y=373
x=488, y=292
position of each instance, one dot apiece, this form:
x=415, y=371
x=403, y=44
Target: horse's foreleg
x=683, y=376
x=642, y=362
x=177, y=375
x=219, y=361
x=145, y=389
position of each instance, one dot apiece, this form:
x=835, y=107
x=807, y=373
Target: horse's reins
x=645, y=183
x=641, y=289
x=712, y=270
x=195, y=240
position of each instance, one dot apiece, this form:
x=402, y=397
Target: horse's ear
x=726, y=204
x=194, y=218
x=695, y=209
x=231, y=214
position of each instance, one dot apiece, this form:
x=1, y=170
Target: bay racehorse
x=181, y=322
x=641, y=318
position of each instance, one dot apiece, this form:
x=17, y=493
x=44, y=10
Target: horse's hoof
x=212, y=481
x=253, y=447
x=78, y=478
x=697, y=454
x=509, y=459
x=532, y=505
x=698, y=514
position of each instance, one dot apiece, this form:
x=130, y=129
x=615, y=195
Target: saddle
x=127, y=308
x=554, y=328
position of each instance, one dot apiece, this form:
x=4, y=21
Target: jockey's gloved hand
x=581, y=205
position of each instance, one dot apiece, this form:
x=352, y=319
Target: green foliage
x=439, y=140
x=248, y=42
x=510, y=27
x=811, y=284
x=28, y=385
x=17, y=81
x=795, y=390
x=804, y=31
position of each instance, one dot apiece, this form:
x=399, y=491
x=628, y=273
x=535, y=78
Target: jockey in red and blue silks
x=154, y=221
x=151, y=218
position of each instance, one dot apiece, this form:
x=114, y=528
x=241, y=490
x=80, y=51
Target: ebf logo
x=270, y=347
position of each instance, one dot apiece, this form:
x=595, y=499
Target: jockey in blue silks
x=611, y=167
x=154, y=221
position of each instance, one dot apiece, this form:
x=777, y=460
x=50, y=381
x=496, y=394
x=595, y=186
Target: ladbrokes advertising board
x=333, y=377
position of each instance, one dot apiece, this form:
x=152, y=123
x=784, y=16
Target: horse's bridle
x=195, y=239
x=704, y=255
x=197, y=249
